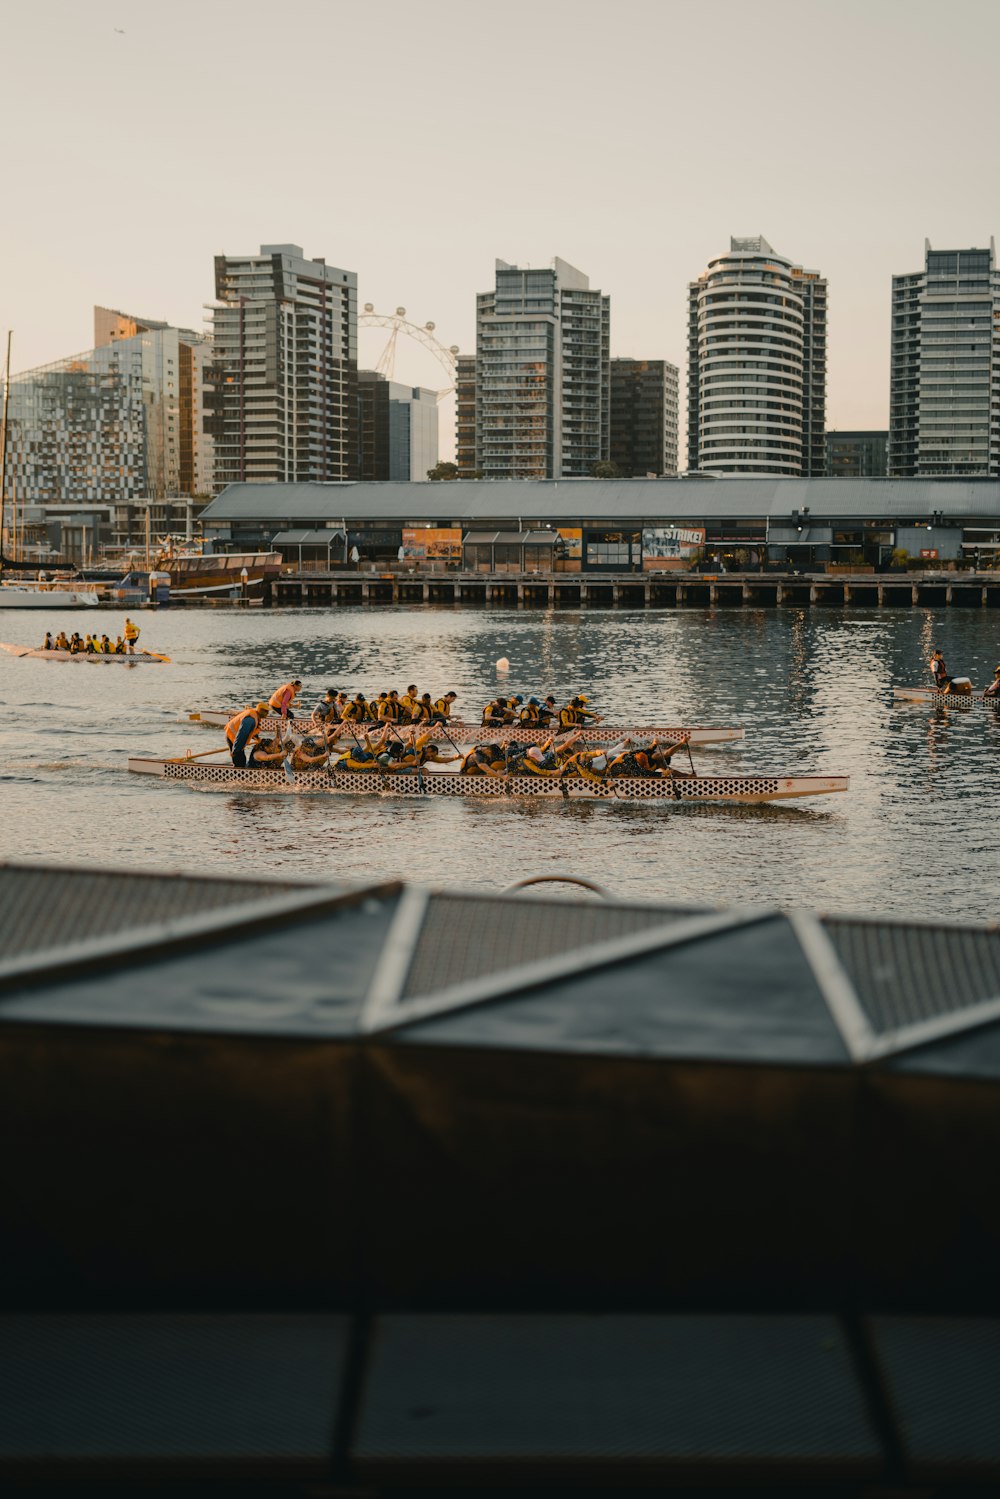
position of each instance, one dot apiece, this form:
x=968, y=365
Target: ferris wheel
x=397, y=323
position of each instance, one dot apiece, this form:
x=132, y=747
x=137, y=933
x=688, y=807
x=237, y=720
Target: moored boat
x=469, y=733
x=139, y=657
x=748, y=789
x=47, y=596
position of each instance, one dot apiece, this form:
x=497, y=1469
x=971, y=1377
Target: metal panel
x=155, y=1396
x=612, y=1398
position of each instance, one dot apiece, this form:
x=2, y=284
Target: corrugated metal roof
x=325, y=537
x=597, y=499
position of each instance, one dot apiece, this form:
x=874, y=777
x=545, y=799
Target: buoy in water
x=503, y=664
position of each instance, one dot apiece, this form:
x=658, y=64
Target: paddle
x=286, y=763
x=379, y=767
x=201, y=755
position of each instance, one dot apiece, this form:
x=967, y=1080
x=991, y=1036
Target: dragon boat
x=750, y=789
x=138, y=658
x=468, y=733
x=947, y=699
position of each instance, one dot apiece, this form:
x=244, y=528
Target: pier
x=631, y=590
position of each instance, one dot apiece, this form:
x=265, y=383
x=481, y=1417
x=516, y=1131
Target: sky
x=415, y=141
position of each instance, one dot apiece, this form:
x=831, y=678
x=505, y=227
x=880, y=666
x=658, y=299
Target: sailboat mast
x=3, y=439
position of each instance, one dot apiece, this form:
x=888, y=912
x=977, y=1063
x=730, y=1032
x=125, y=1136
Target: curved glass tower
x=757, y=365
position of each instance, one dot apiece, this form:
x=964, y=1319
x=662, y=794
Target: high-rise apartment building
x=757, y=365
x=542, y=379
x=643, y=417
x=283, y=395
x=121, y=421
x=465, y=416
x=180, y=454
x=944, y=400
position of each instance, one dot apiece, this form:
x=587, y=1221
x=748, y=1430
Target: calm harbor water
x=915, y=836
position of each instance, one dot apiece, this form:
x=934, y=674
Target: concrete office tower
x=465, y=416
x=757, y=365
x=643, y=417
x=180, y=454
x=397, y=428
x=542, y=382
x=944, y=401
x=283, y=398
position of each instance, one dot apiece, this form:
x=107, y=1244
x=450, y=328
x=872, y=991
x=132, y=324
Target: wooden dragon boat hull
x=727, y=788
x=139, y=658
x=468, y=733
x=948, y=699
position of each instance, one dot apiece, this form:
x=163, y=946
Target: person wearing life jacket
x=90, y=644
x=309, y=754
x=493, y=713
x=326, y=710
x=132, y=633
x=75, y=644
x=423, y=710
x=660, y=755
x=551, y=758
x=362, y=756
x=354, y=710
x=529, y=713
x=575, y=712
x=119, y=646
x=283, y=698
x=939, y=671
x=993, y=690
x=265, y=752
x=409, y=700
x=62, y=644
x=442, y=708
x=241, y=730
x=485, y=759
x=47, y=644
x=389, y=707
x=105, y=646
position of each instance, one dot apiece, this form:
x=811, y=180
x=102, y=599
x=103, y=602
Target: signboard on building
x=669, y=546
x=572, y=544
x=929, y=554
x=432, y=543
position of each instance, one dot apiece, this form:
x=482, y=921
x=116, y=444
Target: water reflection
x=811, y=686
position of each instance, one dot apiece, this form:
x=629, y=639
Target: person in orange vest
x=283, y=698
x=241, y=730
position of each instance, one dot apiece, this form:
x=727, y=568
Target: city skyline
x=123, y=202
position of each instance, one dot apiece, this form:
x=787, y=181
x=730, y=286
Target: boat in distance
x=46, y=596
x=516, y=733
x=139, y=658
x=749, y=789
x=949, y=699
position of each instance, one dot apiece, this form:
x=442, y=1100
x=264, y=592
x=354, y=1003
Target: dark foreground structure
x=315, y=1190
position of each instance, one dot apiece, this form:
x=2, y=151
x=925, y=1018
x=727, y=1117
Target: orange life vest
x=236, y=722
x=275, y=700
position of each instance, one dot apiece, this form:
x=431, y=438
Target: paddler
x=310, y=753
x=412, y=751
x=410, y=699
x=485, y=759
x=939, y=671
x=531, y=713
x=62, y=644
x=442, y=708
x=283, y=698
x=424, y=709
x=547, y=711
x=91, y=645
x=327, y=710
x=575, y=712
x=119, y=646
x=362, y=756
x=105, y=646
x=242, y=729
x=131, y=635
x=389, y=707
x=48, y=641
x=495, y=712
x=993, y=690
x=550, y=758
x=355, y=710
x=75, y=644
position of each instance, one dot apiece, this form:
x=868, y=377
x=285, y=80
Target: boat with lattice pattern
x=469, y=733
x=751, y=788
x=946, y=699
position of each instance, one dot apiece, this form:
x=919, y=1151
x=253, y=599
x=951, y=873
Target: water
x=913, y=837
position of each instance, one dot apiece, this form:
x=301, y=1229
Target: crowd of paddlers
x=407, y=731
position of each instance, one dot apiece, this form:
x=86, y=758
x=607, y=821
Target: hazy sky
x=413, y=141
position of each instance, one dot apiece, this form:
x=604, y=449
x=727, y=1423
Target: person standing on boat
x=241, y=730
x=132, y=633
x=283, y=698
x=939, y=671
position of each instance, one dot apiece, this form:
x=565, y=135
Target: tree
x=443, y=470
x=605, y=470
